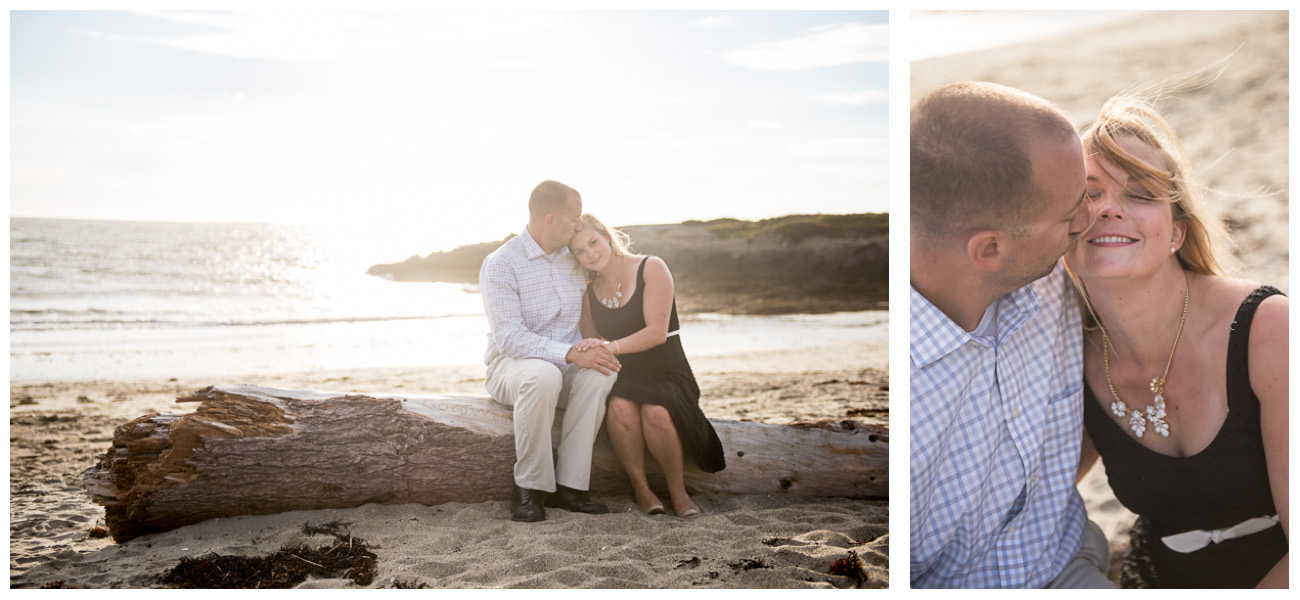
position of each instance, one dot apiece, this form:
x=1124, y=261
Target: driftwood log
x=256, y=450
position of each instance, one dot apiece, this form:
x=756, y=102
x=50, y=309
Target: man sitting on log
x=532, y=294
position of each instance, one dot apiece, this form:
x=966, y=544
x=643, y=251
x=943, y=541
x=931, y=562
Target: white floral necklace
x=1155, y=412
x=616, y=299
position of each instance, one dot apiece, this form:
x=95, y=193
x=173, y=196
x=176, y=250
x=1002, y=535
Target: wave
x=156, y=323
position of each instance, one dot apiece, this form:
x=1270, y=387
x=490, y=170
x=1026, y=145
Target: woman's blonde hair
x=619, y=243
x=1130, y=116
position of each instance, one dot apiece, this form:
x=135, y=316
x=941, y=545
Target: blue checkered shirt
x=532, y=300
x=996, y=428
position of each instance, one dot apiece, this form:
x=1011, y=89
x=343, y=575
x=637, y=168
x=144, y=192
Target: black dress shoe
x=526, y=505
x=574, y=501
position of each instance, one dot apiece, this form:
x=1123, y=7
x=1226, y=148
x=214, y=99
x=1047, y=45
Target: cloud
x=181, y=129
x=764, y=124
x=326, y=35
x=859, y=98
x=822, y=47
x=713, y=22
x=652, y=143
x=858, y=160
x=843, y=151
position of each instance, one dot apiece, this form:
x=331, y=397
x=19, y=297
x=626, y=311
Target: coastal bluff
x=791, y=264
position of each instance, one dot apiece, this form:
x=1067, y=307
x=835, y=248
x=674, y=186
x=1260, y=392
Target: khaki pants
x=1088, y=568
x=535, y=388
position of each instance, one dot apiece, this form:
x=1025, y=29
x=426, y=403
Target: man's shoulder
x=509, y=250
x=933, y=334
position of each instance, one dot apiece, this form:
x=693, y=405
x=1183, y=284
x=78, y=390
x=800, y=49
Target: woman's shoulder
x=1268, y=326
x=1228, y=294
x=652, y=263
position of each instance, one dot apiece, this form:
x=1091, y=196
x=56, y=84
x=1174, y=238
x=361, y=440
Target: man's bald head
x=972, y=148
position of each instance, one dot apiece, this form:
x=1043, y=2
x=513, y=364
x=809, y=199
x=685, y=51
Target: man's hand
x=599, y=358
x=589, y=343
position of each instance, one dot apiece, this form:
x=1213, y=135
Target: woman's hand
x=589, y=343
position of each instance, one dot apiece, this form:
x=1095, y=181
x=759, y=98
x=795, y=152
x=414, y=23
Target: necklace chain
x=1155, y=412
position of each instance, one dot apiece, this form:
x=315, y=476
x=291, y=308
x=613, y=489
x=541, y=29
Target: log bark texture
x=256, y=450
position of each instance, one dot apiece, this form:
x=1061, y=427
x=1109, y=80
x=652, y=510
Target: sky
x=428, y=130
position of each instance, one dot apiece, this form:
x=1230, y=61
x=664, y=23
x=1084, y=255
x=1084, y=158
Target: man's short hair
x=549, y=197
x=971, y=164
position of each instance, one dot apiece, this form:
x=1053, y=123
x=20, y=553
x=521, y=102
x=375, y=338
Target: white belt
x=1192, y=541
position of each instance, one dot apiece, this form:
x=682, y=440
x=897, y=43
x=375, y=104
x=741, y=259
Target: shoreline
x=57, y=429
x=219, y=352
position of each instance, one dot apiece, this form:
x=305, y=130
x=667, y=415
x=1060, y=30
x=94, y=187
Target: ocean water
x=103, y=300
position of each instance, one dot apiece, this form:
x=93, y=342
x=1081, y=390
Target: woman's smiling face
x=1133, y=230
x=590, y=248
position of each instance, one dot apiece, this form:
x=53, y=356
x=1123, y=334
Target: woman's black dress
x=659, y=375
x=1223, y=485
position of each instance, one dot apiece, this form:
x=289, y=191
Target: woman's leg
x=623, y=422
x=666, y=446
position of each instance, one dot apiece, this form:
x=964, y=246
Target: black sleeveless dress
x=660, y=375
x=1223, y=485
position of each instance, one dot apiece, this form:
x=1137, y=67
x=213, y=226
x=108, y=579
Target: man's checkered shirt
x=996, y=429
x=532, y=300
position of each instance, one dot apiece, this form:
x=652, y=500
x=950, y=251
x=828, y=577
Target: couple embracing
x=1066, y=305
x=579, y=323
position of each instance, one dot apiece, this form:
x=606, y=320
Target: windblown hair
x=1129, y=116
x=619, y=243
x=549, y=197
x=971, y=157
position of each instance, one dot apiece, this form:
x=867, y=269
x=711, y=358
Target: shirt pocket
x=1074, y=390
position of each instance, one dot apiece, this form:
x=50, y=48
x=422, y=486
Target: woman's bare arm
x=1269, y=380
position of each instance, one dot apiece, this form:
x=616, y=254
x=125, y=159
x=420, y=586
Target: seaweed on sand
x=347, y=558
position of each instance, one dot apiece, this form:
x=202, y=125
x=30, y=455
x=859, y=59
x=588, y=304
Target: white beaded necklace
x=1155, y=412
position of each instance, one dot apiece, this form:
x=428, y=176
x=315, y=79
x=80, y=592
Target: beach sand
x=1235, y=129
x=768, y=541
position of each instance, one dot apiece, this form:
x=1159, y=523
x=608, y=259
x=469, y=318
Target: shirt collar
x=935, y=336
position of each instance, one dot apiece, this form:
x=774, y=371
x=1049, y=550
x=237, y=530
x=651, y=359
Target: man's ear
x=987, y=249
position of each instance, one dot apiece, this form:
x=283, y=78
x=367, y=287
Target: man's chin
x=1028, y=277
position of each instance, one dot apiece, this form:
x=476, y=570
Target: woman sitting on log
x=629, y=306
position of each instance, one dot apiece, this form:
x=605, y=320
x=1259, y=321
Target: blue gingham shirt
x=996, y=428
x=532, y=300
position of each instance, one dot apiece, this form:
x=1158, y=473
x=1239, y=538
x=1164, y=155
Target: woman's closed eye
x=1139, y=194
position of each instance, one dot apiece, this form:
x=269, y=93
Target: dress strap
x=640, y=274
x=1239, y=341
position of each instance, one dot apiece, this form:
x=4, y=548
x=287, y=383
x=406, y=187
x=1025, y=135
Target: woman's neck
x=1141, y=317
